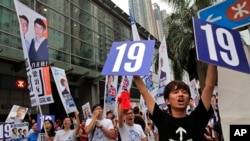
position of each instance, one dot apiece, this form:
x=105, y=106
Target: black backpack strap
x=92, y=134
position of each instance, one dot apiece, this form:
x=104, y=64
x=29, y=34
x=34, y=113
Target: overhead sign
x=229, y=13
x=42, y=118
x=129, y=58
x=219, y=45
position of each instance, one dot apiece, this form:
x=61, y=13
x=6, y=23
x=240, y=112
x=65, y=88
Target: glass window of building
x=101, y=56
x=8, y=21
x=96, y=39
x=10, y=40
x=58, y=40
x=84, y=4
x=95, y=24
x=75, y=29
x=81, y=16
x=7, y=3
x=59, y=55
x=101, y=28
x=83, y=62
x=109, y=33
x=75, y=46
x=87, y=34
x=55, y=19
x=108, y=20
x=61, y=6
x=82, y=49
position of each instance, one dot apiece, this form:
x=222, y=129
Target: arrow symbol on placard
x=211, y=19
x=181, y=131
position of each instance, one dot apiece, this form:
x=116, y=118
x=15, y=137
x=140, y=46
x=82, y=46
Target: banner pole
x=40, y=110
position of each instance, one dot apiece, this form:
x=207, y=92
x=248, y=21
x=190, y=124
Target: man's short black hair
x=175, y=85
x=136, y=110
x=24, y=17
x=96, y=105
x=40, y=22
x=109, y=112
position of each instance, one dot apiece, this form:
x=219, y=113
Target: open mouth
x=181, y=101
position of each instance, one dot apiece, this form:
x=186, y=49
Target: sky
x=123, y=4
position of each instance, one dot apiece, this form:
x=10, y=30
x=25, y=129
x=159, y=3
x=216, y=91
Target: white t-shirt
x=62, y=135
x=131, y=133
x=98, y=134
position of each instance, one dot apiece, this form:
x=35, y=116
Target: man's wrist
x=100, y=126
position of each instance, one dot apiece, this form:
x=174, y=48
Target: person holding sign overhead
x=20, y=113
x=49, y=129
x=177, y=125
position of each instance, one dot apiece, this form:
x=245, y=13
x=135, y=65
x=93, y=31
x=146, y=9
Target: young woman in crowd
x=68, y=132
x=49, y=129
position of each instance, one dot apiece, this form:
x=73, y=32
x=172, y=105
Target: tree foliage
x=180, y=36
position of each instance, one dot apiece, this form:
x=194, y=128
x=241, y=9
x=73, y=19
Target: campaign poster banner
x=195, y=95
x=86, y=110
x=41, y=118
x=34, y=37
x=17, y=114
x=148, y=80
x=14, y=132
x=110, y=93
x=63, y=89
x=41, y=137
x=163, y=73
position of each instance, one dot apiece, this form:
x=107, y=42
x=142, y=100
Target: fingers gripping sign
x=126, y=58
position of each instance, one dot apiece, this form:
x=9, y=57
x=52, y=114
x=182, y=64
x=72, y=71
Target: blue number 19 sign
x=219, y=45
x=129, y=58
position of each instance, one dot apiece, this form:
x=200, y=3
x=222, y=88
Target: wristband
x=100, y=127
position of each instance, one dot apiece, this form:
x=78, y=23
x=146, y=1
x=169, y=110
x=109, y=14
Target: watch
x=100, y=127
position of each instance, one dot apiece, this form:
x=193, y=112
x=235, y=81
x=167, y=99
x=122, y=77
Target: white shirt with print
x=62, y=135
x=131, y=133
x=98, y=134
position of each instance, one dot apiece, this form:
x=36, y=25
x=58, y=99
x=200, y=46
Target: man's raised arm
x=145, y=93
x=210, y=82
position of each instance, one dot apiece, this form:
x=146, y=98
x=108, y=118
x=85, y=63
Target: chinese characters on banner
x=34, y=36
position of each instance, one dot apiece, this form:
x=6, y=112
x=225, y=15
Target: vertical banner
x=124, y=85
x=63, y=89
x=194, y=92
x=148, y=80
x=14, y=132
x=34, y=37
x=17, y=114
x=110, y=93
x=195, y=96
x=163, y=73
x=86, y=110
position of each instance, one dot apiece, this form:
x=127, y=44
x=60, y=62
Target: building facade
x=158, y=20
x=144, y=15
x=81, y=33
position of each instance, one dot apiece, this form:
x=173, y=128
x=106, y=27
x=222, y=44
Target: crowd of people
x=198, y=123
